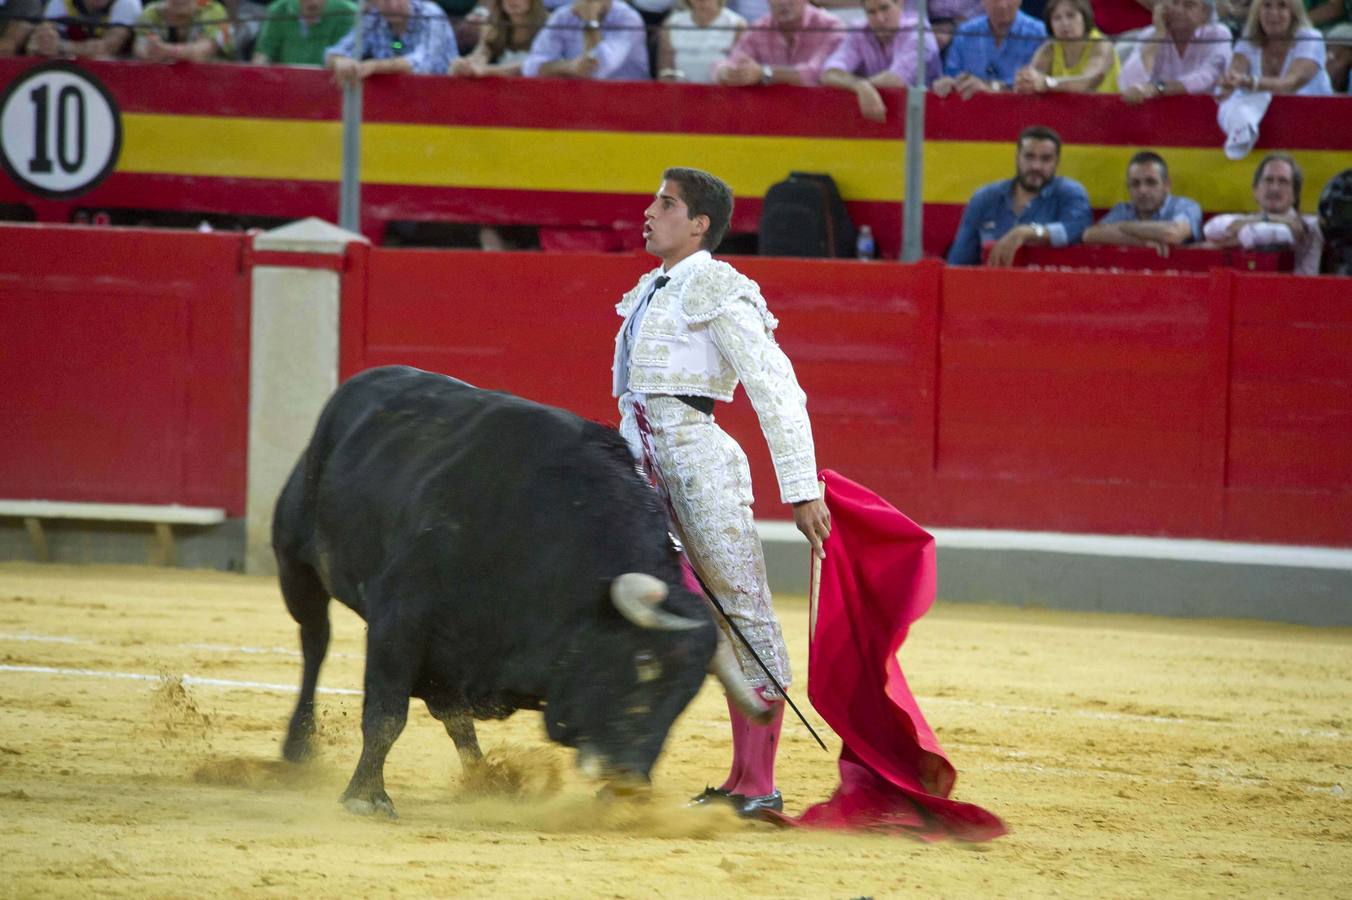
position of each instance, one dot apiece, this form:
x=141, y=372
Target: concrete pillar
x=293, y=361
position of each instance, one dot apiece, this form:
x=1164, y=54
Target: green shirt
x=285, y=39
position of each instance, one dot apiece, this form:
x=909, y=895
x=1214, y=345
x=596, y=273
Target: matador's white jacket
x=707, y=328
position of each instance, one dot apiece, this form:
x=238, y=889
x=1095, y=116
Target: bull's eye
x=646, y=666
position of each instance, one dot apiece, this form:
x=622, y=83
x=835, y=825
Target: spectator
x=881, y=55
x=1338, y=57
x=1184, y=52
x=1078, y=59
x=1036, y=206
x=506, y=40
x=17, y=19
x=396, y=36
x=1153, y=217
x=1278, y=223
x=601, y=39
x=786, y=46
x=696, y=37
x=1280, y=52
x=246, y=20
x=988, y=51
x=94, y=28
x=297, y=32
x=1327, y=13
x=184, y=30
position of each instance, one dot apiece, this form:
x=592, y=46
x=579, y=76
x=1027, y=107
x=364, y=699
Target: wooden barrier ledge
x=162, y=516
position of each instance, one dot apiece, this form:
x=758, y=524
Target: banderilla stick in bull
x=760, y=662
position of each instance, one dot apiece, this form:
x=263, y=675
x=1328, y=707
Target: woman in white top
x=1279, y=53
x=694, y=37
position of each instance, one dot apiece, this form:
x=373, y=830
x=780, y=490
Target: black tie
x=661, y=282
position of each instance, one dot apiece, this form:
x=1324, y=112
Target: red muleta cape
x=878, y=578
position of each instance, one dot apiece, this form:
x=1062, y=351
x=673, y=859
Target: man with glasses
x=988, y=51
x=1278, y=223
x=1036, y=206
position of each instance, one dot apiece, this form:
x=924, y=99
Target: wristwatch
x=1039, y=230
x=1051, y=83
x=767, y=74
x=1159, y=88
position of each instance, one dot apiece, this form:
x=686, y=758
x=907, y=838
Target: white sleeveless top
x=697, y=49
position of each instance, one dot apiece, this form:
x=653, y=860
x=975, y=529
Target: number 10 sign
x=60, y=131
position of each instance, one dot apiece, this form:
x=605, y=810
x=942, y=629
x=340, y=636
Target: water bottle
x=864, y=247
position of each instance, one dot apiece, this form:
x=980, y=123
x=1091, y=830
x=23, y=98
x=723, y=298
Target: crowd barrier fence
x=1204, y=405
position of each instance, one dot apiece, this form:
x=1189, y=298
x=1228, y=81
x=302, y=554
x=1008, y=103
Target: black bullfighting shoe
x=751, y=807
x=711, y=795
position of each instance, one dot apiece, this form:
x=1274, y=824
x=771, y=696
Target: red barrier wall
x=1191, y=405
x=1186, y=405
x=125, y=366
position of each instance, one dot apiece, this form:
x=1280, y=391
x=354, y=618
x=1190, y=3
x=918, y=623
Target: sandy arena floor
x=1130, y=756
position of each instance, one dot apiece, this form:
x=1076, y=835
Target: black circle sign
x=60, y=131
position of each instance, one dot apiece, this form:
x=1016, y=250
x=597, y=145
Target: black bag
x=804, y=216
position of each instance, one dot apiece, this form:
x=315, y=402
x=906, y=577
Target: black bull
x=505, y=555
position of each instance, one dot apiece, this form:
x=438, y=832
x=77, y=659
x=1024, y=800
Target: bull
x=505, y=555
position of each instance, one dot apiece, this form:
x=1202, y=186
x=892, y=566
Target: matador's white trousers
x=704, y=476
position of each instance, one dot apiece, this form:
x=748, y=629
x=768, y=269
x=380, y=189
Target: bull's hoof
x=376, y=805
x=297, y=750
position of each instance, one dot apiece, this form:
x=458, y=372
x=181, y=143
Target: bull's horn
x=724, y=665
x=638, y=597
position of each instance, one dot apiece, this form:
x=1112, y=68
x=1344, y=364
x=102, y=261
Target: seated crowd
x=1040, y=207
x=1142, y=49
x=1239, y=51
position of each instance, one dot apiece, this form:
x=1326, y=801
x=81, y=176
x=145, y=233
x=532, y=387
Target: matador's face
x=668, y=230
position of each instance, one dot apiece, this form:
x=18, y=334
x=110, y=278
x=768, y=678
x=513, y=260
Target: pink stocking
x=753, y=746
x=740, y=727
x=753, y=757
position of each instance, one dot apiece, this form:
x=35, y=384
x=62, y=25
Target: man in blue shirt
x=602, y=39
x=987, y=51
x=396, y=36
x=1153, y=217
x=1036, y=206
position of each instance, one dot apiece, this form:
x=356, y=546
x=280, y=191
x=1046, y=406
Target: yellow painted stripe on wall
x=620, y=162
x=630, y=162
x=226, y=147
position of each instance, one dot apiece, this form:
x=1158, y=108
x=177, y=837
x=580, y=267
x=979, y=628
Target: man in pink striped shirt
x=881, y=55
x=788, y=46
x=1185, y=52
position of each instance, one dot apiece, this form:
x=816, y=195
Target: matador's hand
x=814, y=521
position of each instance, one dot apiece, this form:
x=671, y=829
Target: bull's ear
x=638, y=597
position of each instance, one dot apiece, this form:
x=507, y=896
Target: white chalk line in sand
x=1004, y=708
x=193, y=680
x=29, y=637
x=1026, y=768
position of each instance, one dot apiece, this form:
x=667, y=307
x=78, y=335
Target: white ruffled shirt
x=700, y=334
